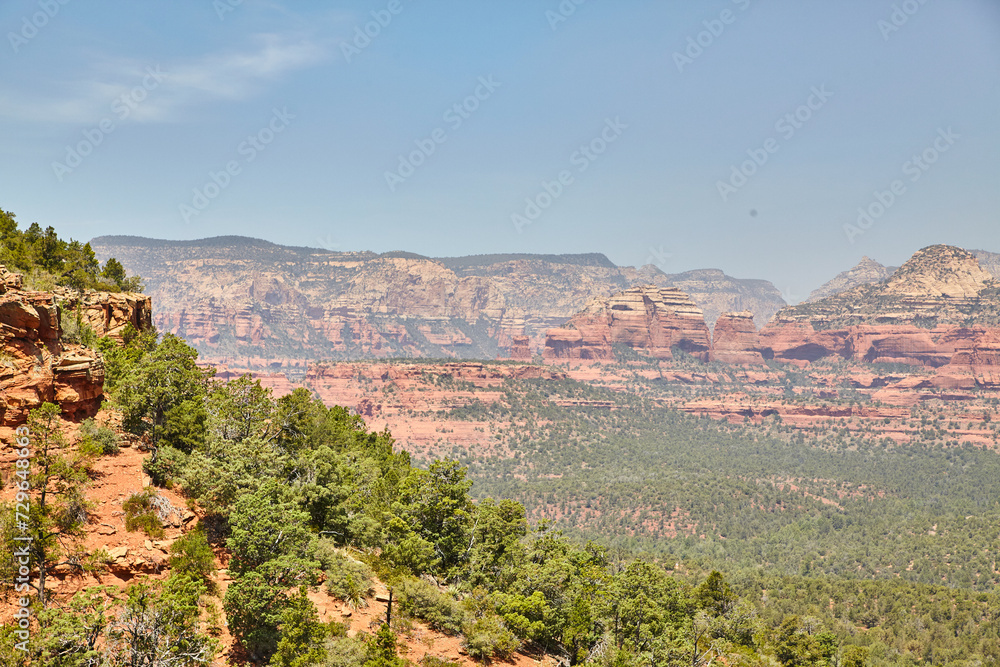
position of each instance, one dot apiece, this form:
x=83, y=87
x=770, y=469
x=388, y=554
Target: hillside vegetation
x=626, y=535
x=47, y=261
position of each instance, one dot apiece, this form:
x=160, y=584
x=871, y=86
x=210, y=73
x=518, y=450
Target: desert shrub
x=325, y=552
x=96, y=561
x=74, y=512
x=348, y=580
x=344, y=651
x=75, y=329
x=192, y=556
x=99, y=440
x=425, y=601
x=165, y=465
x=434, y=661
x=142, y=513
x=487, y=638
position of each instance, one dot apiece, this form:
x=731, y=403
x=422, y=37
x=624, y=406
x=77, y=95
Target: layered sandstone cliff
x=717, y=294
x=649, y=319
x=109, y=313
x=37, y=366
x=243, y=302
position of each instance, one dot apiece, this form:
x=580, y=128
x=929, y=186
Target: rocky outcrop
x=647, y=319
x=717, y=293
x=9, y=281
x=867, y=272
x=110, y=313
x=520, y=348
x=36, y=366
x=736, y=341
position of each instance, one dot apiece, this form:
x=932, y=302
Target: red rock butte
x=647, y=318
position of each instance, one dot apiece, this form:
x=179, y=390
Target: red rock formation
x=920, y=316
x=735, y=340
x=36, y=366
x=108, y=313
x=648, y=319
x=800, y=341
x=519, y=348
x=978, y=357
x=9, y=281
x=954, y=350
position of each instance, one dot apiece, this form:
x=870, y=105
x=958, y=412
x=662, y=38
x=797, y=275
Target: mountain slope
x=989, y=261
x=939, y=284
x=866, y=272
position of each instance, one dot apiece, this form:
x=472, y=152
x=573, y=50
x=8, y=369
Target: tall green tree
x=160, y=380
x=302, y=635
x=58, y=510
x=436, y=502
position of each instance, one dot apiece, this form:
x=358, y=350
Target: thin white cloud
x=175, y=88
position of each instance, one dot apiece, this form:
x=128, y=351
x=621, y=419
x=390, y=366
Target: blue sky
x=601, y=126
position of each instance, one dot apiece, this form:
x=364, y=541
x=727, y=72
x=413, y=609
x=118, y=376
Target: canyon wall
x=940, y=310
x=253, y=304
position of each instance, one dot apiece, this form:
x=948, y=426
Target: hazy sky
x=438, y=127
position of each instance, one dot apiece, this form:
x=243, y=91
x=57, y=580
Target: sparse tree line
x=48, y=261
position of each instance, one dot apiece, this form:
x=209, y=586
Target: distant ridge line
x=462, y=262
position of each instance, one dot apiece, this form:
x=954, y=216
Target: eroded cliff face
x=940, y=310
x=649, y=319
x=736, y=341
x=36, y=366
x=259, y=305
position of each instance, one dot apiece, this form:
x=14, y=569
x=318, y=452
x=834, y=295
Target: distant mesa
x=257, y=305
